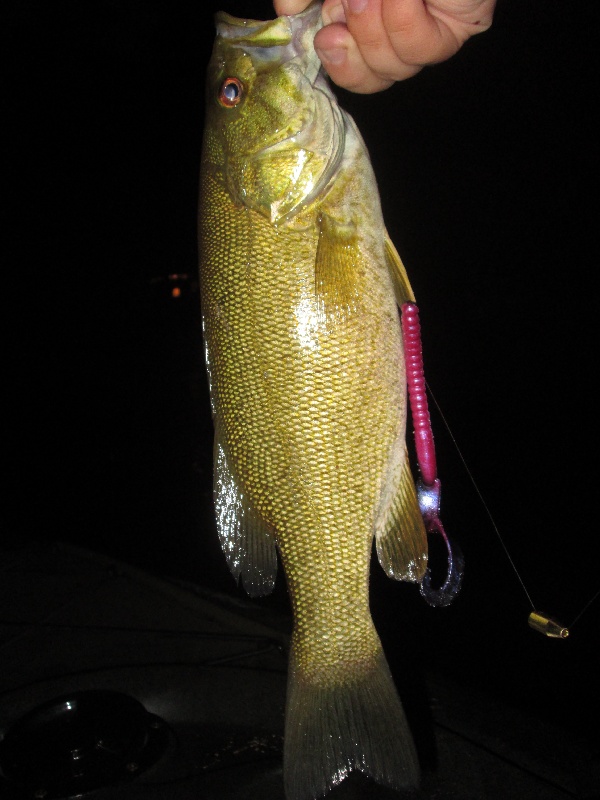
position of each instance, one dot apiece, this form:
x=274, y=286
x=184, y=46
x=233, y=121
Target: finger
x=289, y=7
x=420, y=33
x=366, y=25
x=346, y=66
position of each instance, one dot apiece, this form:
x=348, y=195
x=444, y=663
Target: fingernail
x=357, y=6
x=334, y=14
x=336, y=55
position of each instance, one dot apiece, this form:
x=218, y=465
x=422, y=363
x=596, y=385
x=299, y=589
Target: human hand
x=367, y=45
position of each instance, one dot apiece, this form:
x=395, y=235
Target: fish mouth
x=278, y=40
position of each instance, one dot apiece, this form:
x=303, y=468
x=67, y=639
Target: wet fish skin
x=299, y=286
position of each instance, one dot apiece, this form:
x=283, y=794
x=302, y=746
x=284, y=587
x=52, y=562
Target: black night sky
x=488, y=170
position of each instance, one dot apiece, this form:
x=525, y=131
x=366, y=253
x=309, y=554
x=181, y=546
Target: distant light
x=176, y=291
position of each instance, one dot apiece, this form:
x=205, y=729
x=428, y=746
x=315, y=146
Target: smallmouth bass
x=300, y=288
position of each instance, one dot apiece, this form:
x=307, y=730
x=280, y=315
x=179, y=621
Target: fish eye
x=231, y=92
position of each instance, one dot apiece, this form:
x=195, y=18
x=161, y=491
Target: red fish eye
x=231, y=92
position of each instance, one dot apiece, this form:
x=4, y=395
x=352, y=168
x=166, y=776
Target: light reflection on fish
x=300, y=286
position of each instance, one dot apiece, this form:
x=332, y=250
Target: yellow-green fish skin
x=306, y=370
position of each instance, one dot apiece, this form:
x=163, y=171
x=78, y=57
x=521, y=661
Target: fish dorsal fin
x=248, y=545
x=402, y=287
x=401, y=539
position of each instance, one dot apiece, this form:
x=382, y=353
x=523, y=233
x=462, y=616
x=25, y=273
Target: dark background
x=488, y=171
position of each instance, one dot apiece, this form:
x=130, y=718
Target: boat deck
x=212, y=669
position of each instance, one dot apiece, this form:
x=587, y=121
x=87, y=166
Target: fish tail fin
x=334, y=727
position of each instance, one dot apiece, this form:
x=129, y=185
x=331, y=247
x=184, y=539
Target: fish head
x=274, y=134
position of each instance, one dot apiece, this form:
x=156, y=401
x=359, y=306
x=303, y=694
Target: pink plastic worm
x=429, y=487
x=417, y=394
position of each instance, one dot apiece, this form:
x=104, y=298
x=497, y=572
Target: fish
x=300, y=290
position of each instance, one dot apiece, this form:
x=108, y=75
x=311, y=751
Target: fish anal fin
x=352, y=723
x=248, y=545
x=402, y=288
x=400, y=537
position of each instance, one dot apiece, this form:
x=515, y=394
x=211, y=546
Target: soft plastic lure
x=429, y=486
x=429, y=489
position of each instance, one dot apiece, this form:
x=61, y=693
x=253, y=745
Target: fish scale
x=306, y=370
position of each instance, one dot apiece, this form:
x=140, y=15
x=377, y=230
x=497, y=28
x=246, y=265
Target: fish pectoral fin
x=248, y=545
x=401, y=539
x=337, y=261
x=402, y=288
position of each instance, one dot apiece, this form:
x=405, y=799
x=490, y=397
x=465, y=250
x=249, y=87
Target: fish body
x=299, y=287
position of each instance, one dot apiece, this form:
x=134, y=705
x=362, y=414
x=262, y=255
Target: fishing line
x=585, y=608
x=539, y=622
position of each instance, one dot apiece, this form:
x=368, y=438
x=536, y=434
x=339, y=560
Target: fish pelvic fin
x=248, y=545
x=402, y=288
x=334, y=727
x=400, y=537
